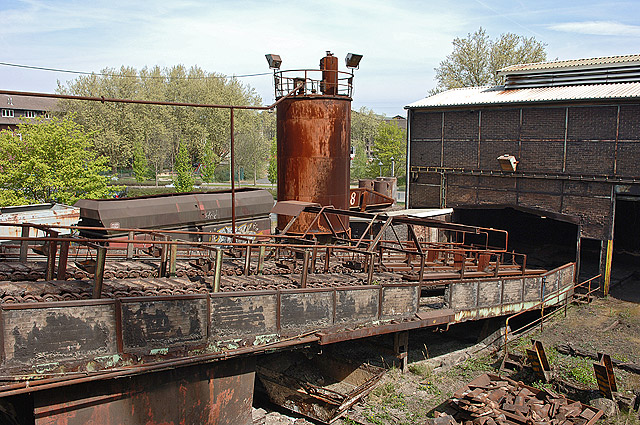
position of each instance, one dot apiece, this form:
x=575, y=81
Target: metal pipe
x=172, y=259
x=62, y=260
x=261, y=259
x=51, y=257
x=131, y=236
x=24, y=245
x=247, y=260
x=99, y=273
x=103, y=99
x=305, y=269
x=218, y=270
x=233, y=177
x=541, y=303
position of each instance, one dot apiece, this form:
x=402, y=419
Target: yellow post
x=607, y=267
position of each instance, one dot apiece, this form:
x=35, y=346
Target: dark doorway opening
x=548, y=243
x=625, y=270
x=590, y=259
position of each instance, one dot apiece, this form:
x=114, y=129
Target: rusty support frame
x=261, y=253
x=24, y=244
x=305, y=269
x=247, y=260
x=130, y=247
x=173, y=254
x=63, y=259
x=98, y=276
x=327, y=258
x=51, y=255
x=218, y=270
x=541, y=304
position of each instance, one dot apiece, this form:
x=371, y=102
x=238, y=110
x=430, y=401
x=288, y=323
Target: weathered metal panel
x=399, y=301
x=489, y=293
x=302, y=311
x=155, y=326
x=551, y=283
x=244, y=315
x=512, y=292
x=313, y=155
x=566, y=276
x=357, y=305
x=532, y=288
x=34, y=335
x=47, y=214
x=463, y=295
x=218, y=393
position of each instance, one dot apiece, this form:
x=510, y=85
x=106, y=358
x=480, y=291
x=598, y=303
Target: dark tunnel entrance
x=625, y=266
x=548, y=242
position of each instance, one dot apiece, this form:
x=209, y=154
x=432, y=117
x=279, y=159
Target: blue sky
x=402, y=41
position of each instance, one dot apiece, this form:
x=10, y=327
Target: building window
x=7, y=113
x=30, y=114
x=46, y=115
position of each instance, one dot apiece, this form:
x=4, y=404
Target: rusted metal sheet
x=155, y=326
x=244, y=315
x=45, y=334
x=357, y=305
x=494, y=397
x=313, y=155
x=305, y=310
x=363, y=199
x=322, y=387
x=218, y=393
x=425, y=319
x=48, y=214
x=399, y=301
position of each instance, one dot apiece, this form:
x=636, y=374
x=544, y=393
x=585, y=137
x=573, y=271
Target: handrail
x=541, y=304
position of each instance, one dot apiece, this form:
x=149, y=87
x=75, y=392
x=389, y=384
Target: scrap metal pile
x=492, y=399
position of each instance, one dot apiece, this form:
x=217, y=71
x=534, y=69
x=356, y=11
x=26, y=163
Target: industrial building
x=552, y=156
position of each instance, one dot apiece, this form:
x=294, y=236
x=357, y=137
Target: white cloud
x=598, y=28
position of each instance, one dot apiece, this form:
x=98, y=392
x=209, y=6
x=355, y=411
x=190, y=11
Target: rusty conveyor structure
x=76, y=311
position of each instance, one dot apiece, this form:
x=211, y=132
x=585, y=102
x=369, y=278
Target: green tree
x=361, y=167
x=50, y=161
x=364, y=129
x=390, y=142
x=209, y=162
x=140, y=166
x=119, y=127
x=476, y=59
x=184, y=171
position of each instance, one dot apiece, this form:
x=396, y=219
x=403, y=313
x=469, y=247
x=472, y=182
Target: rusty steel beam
x=439, y=317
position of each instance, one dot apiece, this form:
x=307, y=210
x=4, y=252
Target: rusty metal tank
x=314, y=132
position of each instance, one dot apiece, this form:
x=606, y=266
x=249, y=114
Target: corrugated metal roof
x=608, y=61
x=498, y=95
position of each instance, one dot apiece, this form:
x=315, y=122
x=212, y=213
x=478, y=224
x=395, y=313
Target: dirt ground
x=610, y=325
